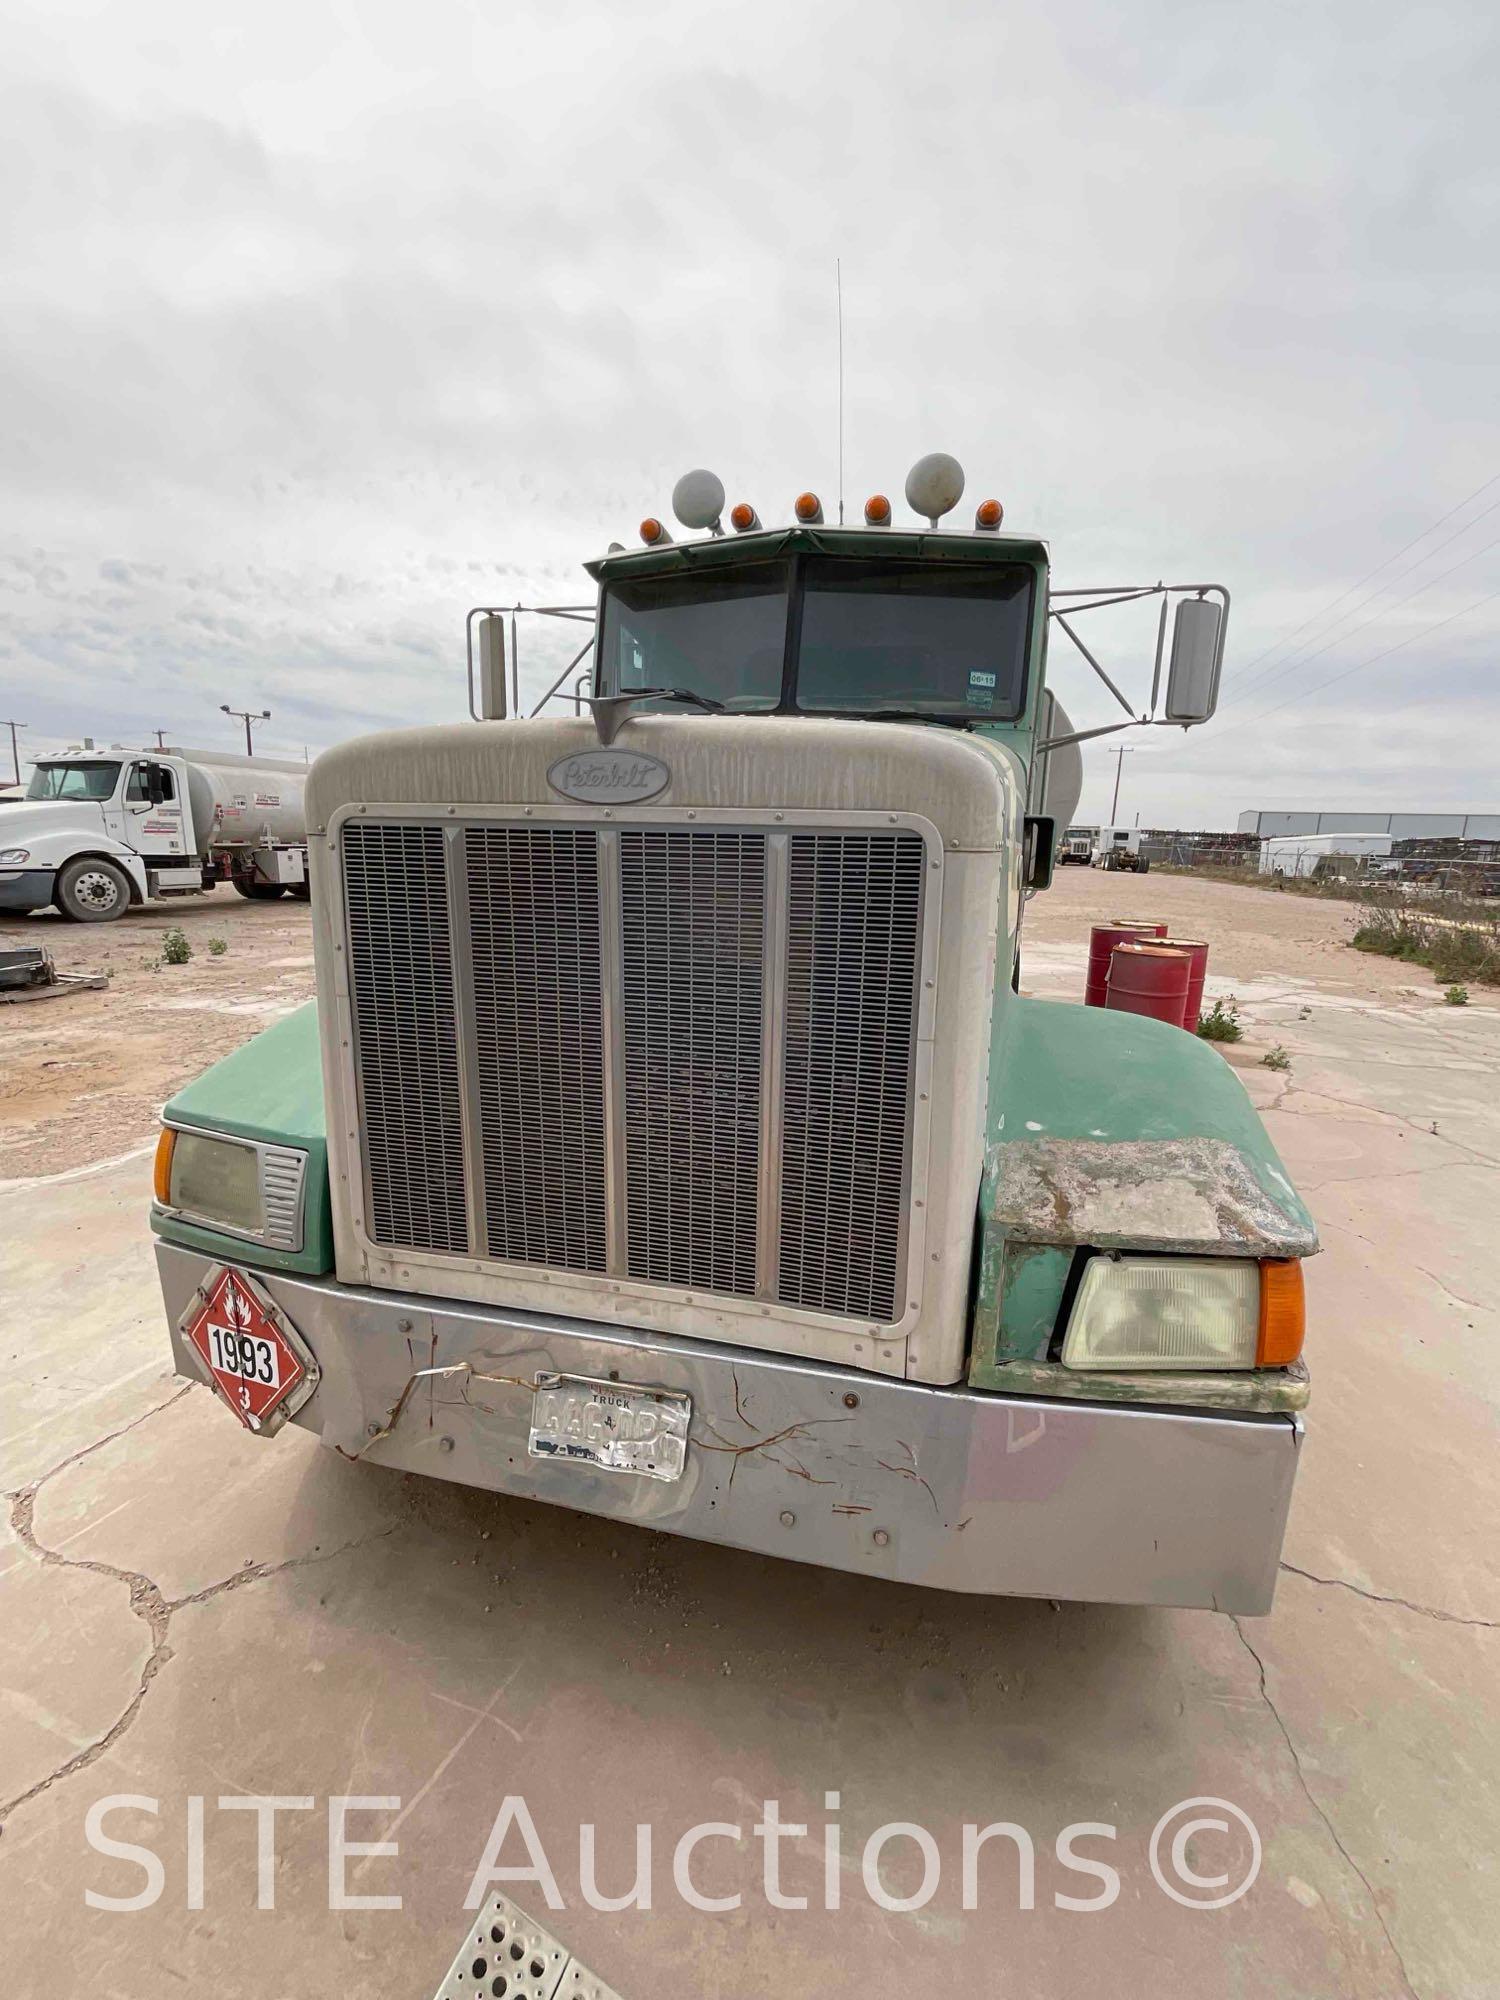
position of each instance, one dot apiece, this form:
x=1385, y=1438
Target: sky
x=323, y=323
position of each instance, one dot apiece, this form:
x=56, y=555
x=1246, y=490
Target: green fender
x=1111, y=1131
x=269, y=1088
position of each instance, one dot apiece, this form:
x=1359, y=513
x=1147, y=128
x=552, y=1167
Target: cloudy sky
x=323, y=322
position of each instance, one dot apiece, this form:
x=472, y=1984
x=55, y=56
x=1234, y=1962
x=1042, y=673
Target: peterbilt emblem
x=609, y=777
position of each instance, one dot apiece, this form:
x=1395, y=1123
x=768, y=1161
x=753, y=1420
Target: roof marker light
x=809, y=510
x=988, y=515
x=877, y=511
x=743, y=518
x=653, y=534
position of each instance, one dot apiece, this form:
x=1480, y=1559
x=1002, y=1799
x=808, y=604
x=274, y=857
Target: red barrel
x=1102, y=940
x=1150, y=979
x=1195, y=979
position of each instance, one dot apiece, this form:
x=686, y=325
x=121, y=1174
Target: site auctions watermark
x=1221, y=1867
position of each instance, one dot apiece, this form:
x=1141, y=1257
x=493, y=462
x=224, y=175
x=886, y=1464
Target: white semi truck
x=102, y=829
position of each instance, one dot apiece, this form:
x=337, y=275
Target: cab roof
x=764, y=544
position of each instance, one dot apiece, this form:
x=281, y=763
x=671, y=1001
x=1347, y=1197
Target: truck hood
x=35, y=819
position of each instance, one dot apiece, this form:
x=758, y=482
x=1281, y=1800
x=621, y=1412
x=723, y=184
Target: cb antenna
x=838, y=281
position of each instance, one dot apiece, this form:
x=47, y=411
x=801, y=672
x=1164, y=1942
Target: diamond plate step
x=506, y=1955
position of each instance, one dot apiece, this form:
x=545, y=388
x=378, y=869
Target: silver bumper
x=1002, y=1495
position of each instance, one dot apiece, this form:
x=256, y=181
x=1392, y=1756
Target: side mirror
x=1039, y=851
x=1197, y=656
x=491, y=667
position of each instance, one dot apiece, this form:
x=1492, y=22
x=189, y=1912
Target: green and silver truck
x=670, y=1139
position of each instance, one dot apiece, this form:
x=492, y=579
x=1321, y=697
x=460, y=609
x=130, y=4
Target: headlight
x=1186, y=1313
x=12, y=857
x=245, y=1186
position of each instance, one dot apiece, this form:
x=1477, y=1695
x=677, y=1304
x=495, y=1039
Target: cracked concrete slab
x=223, y=1616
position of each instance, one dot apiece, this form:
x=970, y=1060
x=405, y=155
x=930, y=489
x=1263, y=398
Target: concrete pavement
x=187, y=1613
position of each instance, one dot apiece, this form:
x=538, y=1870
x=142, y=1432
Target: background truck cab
x=99, y=830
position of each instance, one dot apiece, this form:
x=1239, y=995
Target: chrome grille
x=853, y=908
x=692, y=925
x=534, y=924
x=678, y=1056
x=406, y=1034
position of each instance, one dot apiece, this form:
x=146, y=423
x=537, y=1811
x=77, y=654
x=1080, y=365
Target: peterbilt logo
x=609, y=777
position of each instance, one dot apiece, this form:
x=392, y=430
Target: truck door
x=153, y=812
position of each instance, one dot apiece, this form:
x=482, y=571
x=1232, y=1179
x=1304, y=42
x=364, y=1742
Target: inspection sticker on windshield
x=981, y=690
x=254, y=1356
x=611, y=1424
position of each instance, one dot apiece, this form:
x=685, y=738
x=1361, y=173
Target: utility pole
x=15, y=755
x=1121, y=753
x=159, y=734
x=247, y=716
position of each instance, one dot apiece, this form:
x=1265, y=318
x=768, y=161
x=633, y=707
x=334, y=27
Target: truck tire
x=1142, y=865
x=256, y=890
x=300, y=892
x=92, y=891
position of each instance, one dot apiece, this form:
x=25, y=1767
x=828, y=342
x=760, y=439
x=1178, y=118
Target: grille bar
x=406, y=1034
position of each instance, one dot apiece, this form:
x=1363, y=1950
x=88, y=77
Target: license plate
x=614, y=1425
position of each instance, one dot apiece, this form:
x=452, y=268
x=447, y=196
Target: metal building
x=1399, y=825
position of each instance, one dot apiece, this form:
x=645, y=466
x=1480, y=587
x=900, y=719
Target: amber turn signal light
x=1283, y=1313
x=161, y=1173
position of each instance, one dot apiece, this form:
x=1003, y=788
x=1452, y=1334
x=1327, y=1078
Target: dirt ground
x=190, y=1614
x=84, y=1075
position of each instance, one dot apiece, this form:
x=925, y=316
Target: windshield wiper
x=920, y=715
x=610, y=710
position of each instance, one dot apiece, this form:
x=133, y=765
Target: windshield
x=943, y=639
x=721, y=635
x=938, y=637
x=74, y=781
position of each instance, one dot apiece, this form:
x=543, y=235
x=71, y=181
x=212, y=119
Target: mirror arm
x=1087, y=735
x=588, y=642
x=1094, y=664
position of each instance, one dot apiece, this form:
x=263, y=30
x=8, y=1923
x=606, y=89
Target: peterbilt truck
x=671, y=1140
x=101, y=830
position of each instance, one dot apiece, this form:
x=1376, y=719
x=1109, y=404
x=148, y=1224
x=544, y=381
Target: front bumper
x=26, y=888
x=1003, y=1495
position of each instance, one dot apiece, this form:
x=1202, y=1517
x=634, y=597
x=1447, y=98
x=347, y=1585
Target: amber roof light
x=809, y=509
x=743, y=517
x=877, y=511
x=653, y=532
x=989, y=514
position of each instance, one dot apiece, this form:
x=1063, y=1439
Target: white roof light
x=698, y=499
x=934, y=485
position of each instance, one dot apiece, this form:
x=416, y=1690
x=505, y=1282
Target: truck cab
x=101, y=830
x=670, y=1139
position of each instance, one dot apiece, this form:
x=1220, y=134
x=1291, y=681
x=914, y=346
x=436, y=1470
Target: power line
x=1336, y=636
x=1277, y=644
x=1301, y=659
x=1344, y=673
